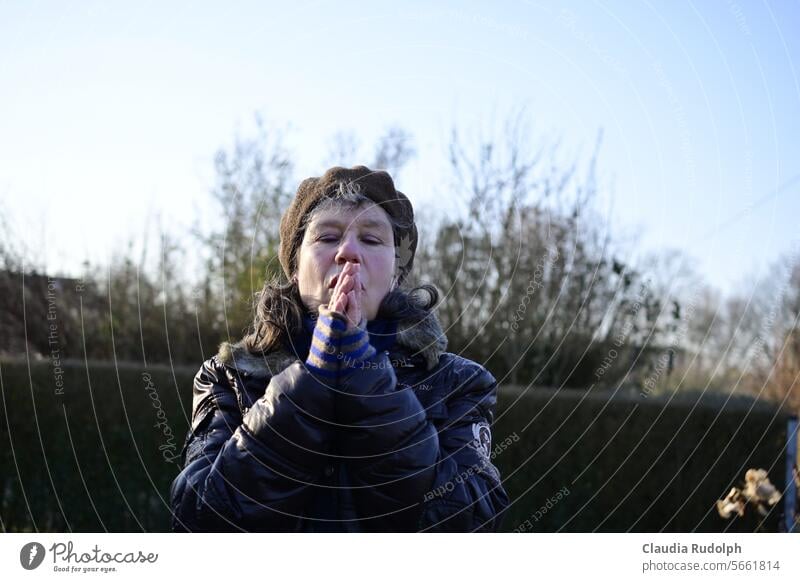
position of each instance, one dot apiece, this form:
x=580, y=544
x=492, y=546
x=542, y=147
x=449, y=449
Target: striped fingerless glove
x=323, y=355
x=355, y=349
x=333, y=348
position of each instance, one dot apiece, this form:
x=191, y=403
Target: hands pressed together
x=341, y=342
x=348, y=294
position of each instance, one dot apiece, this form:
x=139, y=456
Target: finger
x=356, y=312
x=348, y=284
x=356, y=279
x=351, y=269
x=336, y=300
x=339, y=282
x=341, y=304
x=347, y=270
x=339, y=288
x=352, y=305
x=333, y=300
x=358, y=305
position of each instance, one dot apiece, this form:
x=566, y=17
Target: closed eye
x=332, y=238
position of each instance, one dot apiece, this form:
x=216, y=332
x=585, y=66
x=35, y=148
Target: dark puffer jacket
x=401, y=445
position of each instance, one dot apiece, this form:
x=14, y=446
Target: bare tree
x=343, y=149
x=532, y=283
x=253, y=188
x=782, y=375
x=393, y=151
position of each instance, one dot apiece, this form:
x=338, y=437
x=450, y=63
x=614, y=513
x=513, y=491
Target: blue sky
x=112, y=112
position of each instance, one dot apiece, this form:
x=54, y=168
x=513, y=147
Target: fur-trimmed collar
x=422, y=336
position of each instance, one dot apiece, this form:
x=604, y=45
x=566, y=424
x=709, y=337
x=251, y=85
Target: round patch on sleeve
x=482, y=438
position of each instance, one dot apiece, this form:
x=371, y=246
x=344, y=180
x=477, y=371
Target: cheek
x=311, y=269
x=384, y=272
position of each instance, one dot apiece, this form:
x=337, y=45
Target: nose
x=349, y=250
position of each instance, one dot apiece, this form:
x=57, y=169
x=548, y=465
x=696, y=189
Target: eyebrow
x=369, y=223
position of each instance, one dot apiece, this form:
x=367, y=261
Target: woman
x=341, y=410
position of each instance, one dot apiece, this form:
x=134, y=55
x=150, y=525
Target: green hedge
x=92, y=458
x=89, y=459
x=633, y=463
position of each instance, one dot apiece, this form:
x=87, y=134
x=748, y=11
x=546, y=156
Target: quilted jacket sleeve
x=407, y=475
x=253, y=472
x=387, y=444
x=467, y=493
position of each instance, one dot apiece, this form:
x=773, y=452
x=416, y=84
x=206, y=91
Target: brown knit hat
x=376, y=185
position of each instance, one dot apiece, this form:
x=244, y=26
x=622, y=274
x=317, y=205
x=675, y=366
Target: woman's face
x=337, y=236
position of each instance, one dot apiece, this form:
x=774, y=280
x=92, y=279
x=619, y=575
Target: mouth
x=335, y=279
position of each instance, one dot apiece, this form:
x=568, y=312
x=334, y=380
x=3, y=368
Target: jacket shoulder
x=464, y=384
x=470, y=374
x=235, y=378
x=211, y=384
x=238, y=358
